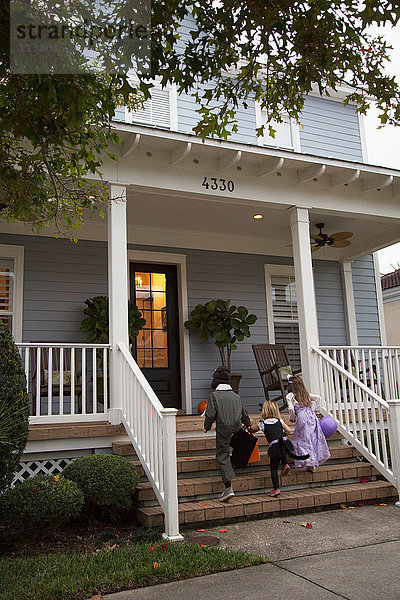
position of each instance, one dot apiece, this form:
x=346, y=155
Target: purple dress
x=308, y=438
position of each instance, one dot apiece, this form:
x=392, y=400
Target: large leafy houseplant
x=96, y=321
x=225, y=323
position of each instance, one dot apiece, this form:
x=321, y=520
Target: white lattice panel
x=47, y=466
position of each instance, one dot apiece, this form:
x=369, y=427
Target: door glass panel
x=151, y=299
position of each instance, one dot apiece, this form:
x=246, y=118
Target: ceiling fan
x=336, y=240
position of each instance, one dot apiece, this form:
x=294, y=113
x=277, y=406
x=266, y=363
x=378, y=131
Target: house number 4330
x=222, y=185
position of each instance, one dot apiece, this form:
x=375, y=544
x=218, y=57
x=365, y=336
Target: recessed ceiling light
x=257, y=216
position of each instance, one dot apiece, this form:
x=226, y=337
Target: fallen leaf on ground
x=223, y=531
x=343, y=506
x=360, y=503
x=151, y=549
x=205, y=504
x=351, y=507
x=97, y=597
x=285, y=521
x=383, y=504
x=156, y=565
x=305, y=524
x=202, y=530
x=308, y=526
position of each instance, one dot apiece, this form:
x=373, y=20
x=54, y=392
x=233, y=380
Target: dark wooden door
x=154, y=289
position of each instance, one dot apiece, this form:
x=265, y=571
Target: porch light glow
x=257, y=216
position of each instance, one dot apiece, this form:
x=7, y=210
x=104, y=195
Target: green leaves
x=96, y=322
x=224, y=322
x=275, y=53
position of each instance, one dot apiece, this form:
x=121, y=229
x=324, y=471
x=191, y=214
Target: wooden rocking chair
x=270, y=359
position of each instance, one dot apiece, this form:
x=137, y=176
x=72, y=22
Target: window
x=286, y=133
x=11, y=274
x=283, y=323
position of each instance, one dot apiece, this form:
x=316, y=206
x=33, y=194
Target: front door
x=154, y=289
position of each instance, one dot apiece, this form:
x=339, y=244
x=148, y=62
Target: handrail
x=152, y=431
x=350, y=376
x=358, y=412
x=376, y=366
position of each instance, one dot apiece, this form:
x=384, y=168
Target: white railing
x=378, y=367
x=66, y=382
x=369, y=422
x=152, y=431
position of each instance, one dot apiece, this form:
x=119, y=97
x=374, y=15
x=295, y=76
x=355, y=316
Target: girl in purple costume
x=308, y=437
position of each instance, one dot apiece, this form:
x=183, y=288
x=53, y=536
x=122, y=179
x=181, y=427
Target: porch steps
x=200, y=485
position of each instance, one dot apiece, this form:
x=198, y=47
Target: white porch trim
x=379, y=300
x=349, y=305
x=179, y=260
x=117, y=292
x=17, y=254
x=306, y=304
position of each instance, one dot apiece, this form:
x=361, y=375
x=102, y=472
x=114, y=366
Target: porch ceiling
x=191, y=222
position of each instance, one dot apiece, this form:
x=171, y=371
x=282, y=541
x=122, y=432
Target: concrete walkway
x=351, y=554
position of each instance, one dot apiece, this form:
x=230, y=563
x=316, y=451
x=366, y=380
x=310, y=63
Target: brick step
x=193, y=423
x=200, y=488
x=263, y=505
x=187, y=465
x=194, y=446
x=62, y=431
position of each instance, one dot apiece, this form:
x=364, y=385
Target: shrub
x=14, y=408
x=107, y=481
x=41, y=500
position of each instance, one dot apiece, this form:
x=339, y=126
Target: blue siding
x=366, y=302
x=188, y=118
x=59, y=276
x=330, y=303
x=328, y=128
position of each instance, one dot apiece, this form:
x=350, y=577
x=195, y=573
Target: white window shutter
x=156, y=110
x=283, y=133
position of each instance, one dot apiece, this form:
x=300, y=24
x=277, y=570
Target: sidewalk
x=350, y=554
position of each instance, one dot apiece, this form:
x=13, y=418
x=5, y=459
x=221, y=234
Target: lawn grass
x=79, y=575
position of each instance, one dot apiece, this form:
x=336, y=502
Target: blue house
x=182, y=230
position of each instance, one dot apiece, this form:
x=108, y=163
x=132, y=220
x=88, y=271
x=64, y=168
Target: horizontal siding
x=328, y=128
x=365, y=300
x=188, y=118
x=59, y=276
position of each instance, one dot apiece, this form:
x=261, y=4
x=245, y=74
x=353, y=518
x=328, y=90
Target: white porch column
x=117, y=292
x=348, y=292
x=306, y=306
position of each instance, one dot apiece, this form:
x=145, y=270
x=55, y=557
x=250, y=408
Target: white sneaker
x=226, y=495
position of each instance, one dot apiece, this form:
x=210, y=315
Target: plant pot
x=235, y=381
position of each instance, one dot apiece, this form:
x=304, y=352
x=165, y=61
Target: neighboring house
x=391, y=306
x=181, y=231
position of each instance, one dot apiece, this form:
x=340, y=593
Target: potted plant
x=226, y=324
x=96, y=322
x=96, y=325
